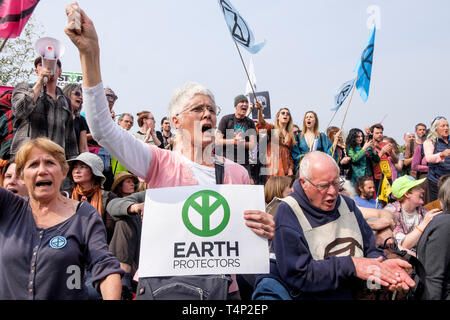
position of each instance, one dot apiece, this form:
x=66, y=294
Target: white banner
x=69, y=77
x=201, y=230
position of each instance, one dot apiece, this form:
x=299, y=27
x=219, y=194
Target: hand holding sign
x=260, y=222
x=193, y=230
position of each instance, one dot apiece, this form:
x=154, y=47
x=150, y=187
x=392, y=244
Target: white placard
x=201, y=230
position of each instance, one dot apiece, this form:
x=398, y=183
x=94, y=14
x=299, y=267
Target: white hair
x=314, y=157
x=433, y=134
x=182, y=96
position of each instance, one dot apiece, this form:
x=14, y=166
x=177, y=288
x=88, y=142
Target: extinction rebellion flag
x=239, y=29
x=14, y=15
x=342, y=94
x=364, y=68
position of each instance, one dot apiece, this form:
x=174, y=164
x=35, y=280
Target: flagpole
x=245, y=68
x=3, y=44
x=379, y=189
x=332, y=117
x=345, y=115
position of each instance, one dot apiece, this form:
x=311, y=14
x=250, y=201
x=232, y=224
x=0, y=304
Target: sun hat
x=403, y=184
x=121, y=176
x=93, y=161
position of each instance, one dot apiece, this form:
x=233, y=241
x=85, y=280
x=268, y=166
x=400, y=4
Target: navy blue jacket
x=304, y=277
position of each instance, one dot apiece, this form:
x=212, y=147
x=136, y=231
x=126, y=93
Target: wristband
x=421, y=231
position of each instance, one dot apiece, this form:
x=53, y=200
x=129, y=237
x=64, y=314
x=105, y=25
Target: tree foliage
x=16, y=58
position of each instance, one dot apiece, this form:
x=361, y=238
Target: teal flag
x=239, y=29
x=364, y=68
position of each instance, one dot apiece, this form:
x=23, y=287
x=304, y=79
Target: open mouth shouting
x=330, y=203
x=43, y=183
x=12, y=189
x=206, y=127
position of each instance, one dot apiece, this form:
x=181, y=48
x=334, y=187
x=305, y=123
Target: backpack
x=6, y=124
x=192, y=287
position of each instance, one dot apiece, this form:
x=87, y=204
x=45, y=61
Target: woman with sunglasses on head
x=74, y=93
x=310, y=139
x=280, y=141
x=192, y=111
x=437, y=153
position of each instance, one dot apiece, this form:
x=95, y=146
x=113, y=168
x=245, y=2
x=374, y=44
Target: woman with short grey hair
x=193, y=113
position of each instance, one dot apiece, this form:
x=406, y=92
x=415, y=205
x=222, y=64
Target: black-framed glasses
x=285, y=113
x=338, y=184
x=77, y=93
x=200, y=109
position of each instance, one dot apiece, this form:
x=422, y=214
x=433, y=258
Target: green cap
x=401, y=185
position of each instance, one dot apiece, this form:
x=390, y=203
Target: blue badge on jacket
x=58, y=242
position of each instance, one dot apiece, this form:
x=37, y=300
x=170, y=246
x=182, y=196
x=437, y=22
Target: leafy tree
x=16, y=58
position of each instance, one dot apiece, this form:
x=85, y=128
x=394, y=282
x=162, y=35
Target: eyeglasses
x=285, y=113
x=77, y=93
x=338, y=184
x=200, y=109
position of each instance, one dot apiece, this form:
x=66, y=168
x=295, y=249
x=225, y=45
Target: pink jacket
x=168, y=169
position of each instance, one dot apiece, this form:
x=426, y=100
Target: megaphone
x=50, y=49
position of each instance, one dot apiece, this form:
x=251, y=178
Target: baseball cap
x=403, y=184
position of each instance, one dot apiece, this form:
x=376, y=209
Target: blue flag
x=364, y=68
x=239, y=29
x=342, y=94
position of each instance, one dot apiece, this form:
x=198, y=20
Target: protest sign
x=263, y=98
x=69, y=77
x=199, y=230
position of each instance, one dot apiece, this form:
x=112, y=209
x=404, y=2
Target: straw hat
x=121, y=176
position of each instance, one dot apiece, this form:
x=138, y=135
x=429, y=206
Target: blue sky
x=150, y=47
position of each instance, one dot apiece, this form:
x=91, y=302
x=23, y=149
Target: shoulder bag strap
x=220, y=170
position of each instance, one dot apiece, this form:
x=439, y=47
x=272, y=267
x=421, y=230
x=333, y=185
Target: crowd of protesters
x=86, y=174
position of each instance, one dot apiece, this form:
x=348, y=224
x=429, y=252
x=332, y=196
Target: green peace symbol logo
x=206, y=210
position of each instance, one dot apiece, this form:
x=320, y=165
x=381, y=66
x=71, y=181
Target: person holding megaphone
x=41, y=109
